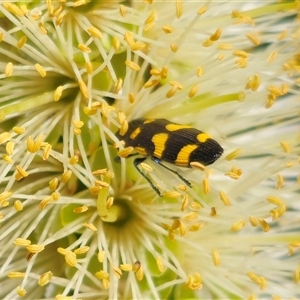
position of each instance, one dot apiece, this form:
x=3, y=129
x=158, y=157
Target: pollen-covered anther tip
x=179, y=9
x=117, y=271
x=194, y=282
x=79, y=3
x=216, y=35
x=109, y=202
x=81, y=209
x=83, y=88
x=8, y=69
x=124, y=128
x=122, y=10
x=167, y=29
x=40, y=70
x=33, y=248
x=172, y=194
x=238, y=225
x=70, y=258
x=151, y=83
x=224, y=198
x=234, y=154
x=14, y=274
x=125, y=152
x=264, y=225
x=206, y=186
x=45, y=278
x=94, y=32
x=57, y=93
x=197, y=165
x=132, y=65
x=90, y=226
x=202, y=10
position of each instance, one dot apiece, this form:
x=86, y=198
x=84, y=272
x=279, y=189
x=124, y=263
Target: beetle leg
x=136, y=163
x=179, y=176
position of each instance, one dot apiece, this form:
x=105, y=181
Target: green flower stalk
x=78, y=224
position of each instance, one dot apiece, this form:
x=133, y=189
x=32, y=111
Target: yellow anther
x=152, y=17
x=224, y=198
x=8, y=69
x=172, y=194
x=81, y=209
x=202, y=10
x=253, y=38
x=4, y=196
x=126, y=267
x=117, y=271
x=10, y=148
x=131, y=98
x=240, y=53
x=18, y=205
x=18, y=130
x=164, y=72
x=264, y=225
x=253, y=221
x=172, y=91
x=236, y=226
x=101, y=256
x=191, y=216
x=215, y=257
x=132, y=65
x=167, y=29
x=128, y=37
x=4, y=137
x=137, y=46
x=234, y=154
x=179, y=9
x=125, y=152
x=84, y=48
x=280, y=182
x=82, y=250
x=22, y=41
x=118, y=86
x=225, y=47
x=122, y=10
x=185, y=202
x=94, y=32
x=195, y=227
x=206, y=186
x=196, y=205
x=193, y=91
x=45, y=278
x=33, y=248
x=285, y=147
x=21, y=173
x=160, y=264
x=174, y=47
x=83, y=88
x=70, y=258
x=16, y=275
x=102, y=275
x=90, y=226
x=216, y=35
x=45, y=202
x=207, y=43
x=151, y=83
x=66, y=176
x=40, y=70
x=22, y=242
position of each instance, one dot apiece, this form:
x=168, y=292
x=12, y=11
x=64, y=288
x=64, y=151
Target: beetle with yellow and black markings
x=162, y=140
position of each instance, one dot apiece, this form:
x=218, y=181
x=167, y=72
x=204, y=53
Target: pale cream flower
x=75, y=223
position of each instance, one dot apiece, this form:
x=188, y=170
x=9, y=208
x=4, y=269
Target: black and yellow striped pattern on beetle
x=171, y=142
